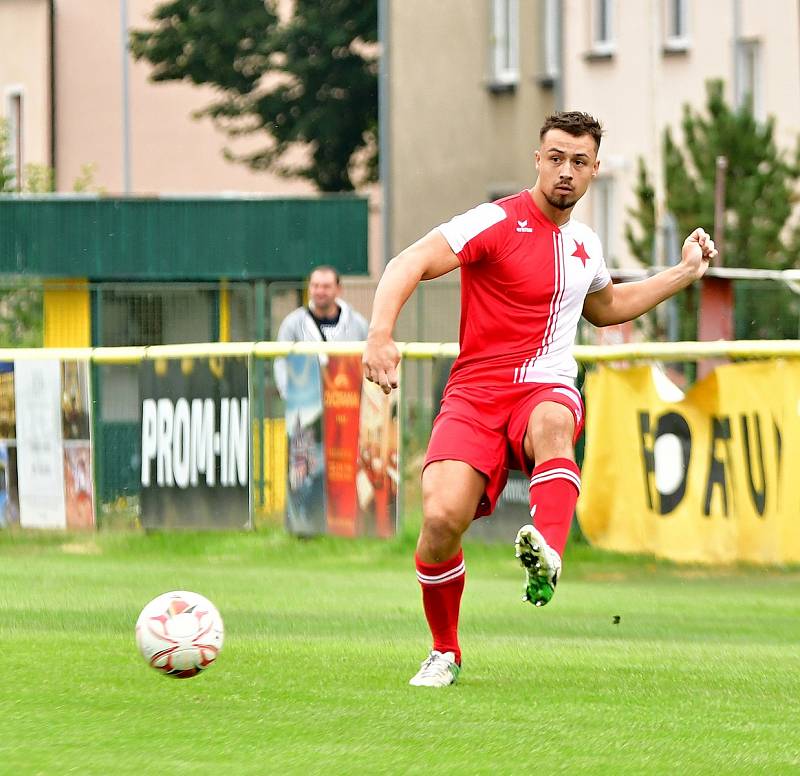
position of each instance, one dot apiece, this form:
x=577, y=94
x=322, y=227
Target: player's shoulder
x=485, y=215
x=513, y=204
x=480, y=220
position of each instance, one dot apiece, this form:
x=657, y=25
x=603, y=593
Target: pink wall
x=170, y=151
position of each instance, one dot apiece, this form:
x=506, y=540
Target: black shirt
x=326, y=326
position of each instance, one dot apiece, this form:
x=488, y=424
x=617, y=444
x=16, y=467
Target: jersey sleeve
x=470, y=234
x=601, y=276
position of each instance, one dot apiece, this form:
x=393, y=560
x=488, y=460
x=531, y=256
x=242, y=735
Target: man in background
x=327, y=318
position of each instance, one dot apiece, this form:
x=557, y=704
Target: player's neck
x=556, y=215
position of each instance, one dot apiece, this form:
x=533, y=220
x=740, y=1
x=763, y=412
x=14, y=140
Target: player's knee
x=552, y=425
x=443, y=517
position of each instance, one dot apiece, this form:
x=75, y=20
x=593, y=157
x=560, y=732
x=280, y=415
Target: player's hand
x=380, y=361
x=698, y=249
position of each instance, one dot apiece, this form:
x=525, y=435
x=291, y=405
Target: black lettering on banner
x=648, y=456
x=717, y=475
x=670, y=424
x=779, y=451
x=759, y=497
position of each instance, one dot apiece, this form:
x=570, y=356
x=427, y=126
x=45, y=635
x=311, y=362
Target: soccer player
x=528, y=273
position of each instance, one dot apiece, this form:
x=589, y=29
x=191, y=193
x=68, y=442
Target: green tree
x=21, y=313
x=38, y=179
x=307, y=83
x=7, y=179
x=85, y=182
x=760, y=199
x=20, y=303
x=761, y=186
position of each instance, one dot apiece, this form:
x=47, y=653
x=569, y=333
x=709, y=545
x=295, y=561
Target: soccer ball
x=179, y=633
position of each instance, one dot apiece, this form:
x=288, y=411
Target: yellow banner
x=708, y=478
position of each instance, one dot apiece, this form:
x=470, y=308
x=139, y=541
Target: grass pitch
x=701, y=673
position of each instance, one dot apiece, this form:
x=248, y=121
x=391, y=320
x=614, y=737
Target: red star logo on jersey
x=580, y=252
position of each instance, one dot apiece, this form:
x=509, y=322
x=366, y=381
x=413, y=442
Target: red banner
x=342, y=379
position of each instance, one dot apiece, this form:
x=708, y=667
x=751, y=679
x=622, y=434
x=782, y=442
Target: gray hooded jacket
x=299, y=326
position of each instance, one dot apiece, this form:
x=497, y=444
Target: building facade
x=467, y=92
x=636, y=64
x=62, y=61
x=469, y=84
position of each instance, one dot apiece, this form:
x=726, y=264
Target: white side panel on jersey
x=459, y=230
x=601, y=279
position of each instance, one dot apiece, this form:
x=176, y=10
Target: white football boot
x=437, y=670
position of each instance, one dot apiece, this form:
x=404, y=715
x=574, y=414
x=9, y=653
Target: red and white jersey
x=523, y=284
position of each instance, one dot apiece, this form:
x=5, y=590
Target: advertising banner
x=45, y=451
x=706, y=477
x=75, y=429
x=9, y=494
x=195, y=452
x=40, y=463
x=305, y=496
x=341, y=394
x=343, y=442
x=378, y=475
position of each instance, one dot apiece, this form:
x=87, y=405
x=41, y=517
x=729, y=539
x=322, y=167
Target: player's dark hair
x=327, y=268
x=573, y=123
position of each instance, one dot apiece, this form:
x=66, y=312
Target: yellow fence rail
x=665, y=351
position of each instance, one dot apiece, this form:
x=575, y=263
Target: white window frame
x=602, y=26
x=603, y=216
x=551, y=40
x=15, y=119
x=676, y=25
x=505, y=43
x=750, y=79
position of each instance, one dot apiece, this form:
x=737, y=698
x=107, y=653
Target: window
x=505, y=43
x=14, y=114
x=748, y=76
x=676, y=26
x=602, y=28
x=603, y=215
x=551, y=43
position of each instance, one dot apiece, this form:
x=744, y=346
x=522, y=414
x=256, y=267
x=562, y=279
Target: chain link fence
x=174, y=313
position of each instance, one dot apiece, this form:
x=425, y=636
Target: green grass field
x=701, y=675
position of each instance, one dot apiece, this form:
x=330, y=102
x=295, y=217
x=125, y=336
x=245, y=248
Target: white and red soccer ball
x=180, y=633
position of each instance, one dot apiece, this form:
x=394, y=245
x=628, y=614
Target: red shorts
x=485, y=427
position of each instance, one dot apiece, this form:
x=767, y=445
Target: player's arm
x=428, y=258
x=617, y=303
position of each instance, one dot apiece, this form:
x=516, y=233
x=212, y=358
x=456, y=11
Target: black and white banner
x=195, y=447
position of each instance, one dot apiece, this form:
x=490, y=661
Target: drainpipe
x=126, y=117
x=52, y=76
x=384, y=165
x=737, y=34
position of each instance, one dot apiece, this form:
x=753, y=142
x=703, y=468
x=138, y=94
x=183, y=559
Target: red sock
x=442, y=586
x=555, y=487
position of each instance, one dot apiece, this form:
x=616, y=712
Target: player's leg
x=543, y=430
x=556, y=478
x=451, y=491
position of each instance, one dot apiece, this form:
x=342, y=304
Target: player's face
x=323, y=289
x=566, y=166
